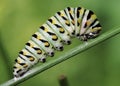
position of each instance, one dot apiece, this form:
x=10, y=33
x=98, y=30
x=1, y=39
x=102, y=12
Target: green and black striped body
x=54, y=33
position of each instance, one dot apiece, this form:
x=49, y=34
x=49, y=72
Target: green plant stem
x=84, y=46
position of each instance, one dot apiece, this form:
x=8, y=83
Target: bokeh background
x=98, y=66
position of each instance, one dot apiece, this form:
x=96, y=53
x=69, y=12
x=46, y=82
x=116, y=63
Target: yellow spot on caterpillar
x=53, y=21
x=46, y=30
x=24, y=52
x=25, y=65
x=19, y=67
x=18, y=61
x=61, y=30
x=31, y=45
x=54, y=37
x=93, y=16
x=61, y=14
x=79, y=21
x=95, y=29
x=67, y=22
x=71, y=12
x=73, y=22
x=81, y=11
x=46, y=44
x=88, y=23
x=31, y=59
x=38, y=37
x=39, y=51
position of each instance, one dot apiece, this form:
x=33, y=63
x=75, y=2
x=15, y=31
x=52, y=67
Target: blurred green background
x=98, y=66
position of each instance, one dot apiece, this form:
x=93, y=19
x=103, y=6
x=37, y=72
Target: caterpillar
x=53, y=34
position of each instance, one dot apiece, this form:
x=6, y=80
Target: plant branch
x=67, y=55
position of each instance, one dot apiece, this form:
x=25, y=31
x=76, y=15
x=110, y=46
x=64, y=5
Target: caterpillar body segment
x=70, y=12
x=43, y=43
x=30, y=58
x=79, y=13
x=53, y=34
x=59, y=29
x=34, y=49
x=65, y=22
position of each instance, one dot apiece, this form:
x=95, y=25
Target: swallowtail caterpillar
x=53, y=34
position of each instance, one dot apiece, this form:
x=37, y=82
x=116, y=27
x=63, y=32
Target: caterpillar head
x=91, y=33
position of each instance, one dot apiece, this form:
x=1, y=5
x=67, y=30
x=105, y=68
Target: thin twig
x=63, y=80
x=67, y=55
